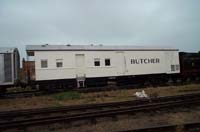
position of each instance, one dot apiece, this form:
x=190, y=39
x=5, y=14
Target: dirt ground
x=97, y=97
x=127, y=122
x=140, y=121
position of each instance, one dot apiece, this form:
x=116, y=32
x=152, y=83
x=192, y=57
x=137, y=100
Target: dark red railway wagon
x=190, y=65
x=28, y=71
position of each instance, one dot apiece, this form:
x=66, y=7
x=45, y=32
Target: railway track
x=10, y=115
x=23, y=94
x=186, y=127
x=13, y=119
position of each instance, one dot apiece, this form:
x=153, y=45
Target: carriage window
x=59, y=62
x=172, y=67
x=44, y=64
x=96, y=61
x=107, y=62
x=177, y=67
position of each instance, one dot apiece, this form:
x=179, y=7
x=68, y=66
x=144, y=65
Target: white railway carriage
x=91, y=64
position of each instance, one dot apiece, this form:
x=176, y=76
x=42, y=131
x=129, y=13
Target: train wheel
x=188, y=80
x=3, y=91
x=170, y=81
x=148, y=84
x=197, y=79
x=178, y=81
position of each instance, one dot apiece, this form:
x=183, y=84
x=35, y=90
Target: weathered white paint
x=120, y=63
x=1, y=68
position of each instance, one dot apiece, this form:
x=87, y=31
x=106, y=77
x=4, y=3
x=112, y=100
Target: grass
x=67, y=96
x=19, y=89
x=57, y=105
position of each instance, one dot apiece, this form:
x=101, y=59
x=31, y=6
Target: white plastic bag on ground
x=141, y=94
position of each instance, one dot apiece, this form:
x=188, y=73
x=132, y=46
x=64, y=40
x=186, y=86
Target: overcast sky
x=173, y=23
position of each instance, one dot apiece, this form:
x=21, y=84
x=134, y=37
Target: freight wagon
x=9, y=67
x=190, y=66
x=69, y=66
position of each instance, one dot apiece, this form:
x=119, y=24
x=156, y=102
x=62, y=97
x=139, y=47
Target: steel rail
x=22, y=94
x=82, y=90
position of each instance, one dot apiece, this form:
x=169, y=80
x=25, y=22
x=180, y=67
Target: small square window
x=172, y=67
x=107, y=62
x=177, y=67
x=44, y=64
x=97, y=62
x=59, y=63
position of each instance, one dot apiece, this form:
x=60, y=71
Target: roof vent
x=68, y=45
x=45, y=45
